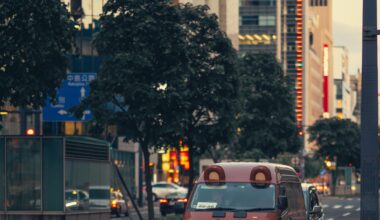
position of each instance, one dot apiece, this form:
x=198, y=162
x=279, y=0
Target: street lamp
x=369, y=119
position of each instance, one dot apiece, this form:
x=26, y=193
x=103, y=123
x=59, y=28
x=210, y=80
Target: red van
x=247, y=191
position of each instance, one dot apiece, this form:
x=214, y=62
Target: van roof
x=241, y=171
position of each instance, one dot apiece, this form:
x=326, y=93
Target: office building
x=228, y=15
x=299, y=34
x=344, y=94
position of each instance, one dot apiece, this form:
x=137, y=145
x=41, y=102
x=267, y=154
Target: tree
x=210, y=97
x=140, y=83
x=338, y=138
x=266, y=122
x=36, y=37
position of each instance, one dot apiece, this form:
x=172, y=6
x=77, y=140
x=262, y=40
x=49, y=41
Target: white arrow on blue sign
x=74, y=89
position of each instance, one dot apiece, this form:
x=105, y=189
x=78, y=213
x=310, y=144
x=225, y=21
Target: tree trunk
x=191, y=171
x=148, y=181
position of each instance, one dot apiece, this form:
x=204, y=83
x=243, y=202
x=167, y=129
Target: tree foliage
x=140, y=82
x=266, y=121
x=337, y=138
x=170, y=73
x=210, y=97
x=36, y=37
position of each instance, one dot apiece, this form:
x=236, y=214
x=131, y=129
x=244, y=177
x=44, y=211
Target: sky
x=347, y=26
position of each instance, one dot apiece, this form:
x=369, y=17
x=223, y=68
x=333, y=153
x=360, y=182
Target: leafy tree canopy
x=337, y=138
x=211, y=91
x=168, y=70
x=36, y=37
x=266, y=121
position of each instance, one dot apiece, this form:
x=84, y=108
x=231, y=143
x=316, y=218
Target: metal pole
x=127, y=190
x=369, y=149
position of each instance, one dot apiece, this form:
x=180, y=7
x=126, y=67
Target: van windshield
x=233, y=196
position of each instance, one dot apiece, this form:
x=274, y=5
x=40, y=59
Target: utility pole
x=369, y=119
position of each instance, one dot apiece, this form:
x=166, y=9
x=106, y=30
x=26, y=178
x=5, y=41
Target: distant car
x=170, y=202
x=312, y=203
x=119, y=205
x=100, y=197
x=322, y=188
x=162, y=189
x=76, y=199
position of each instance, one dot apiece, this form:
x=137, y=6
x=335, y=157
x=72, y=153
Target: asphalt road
x=143, y=211
x=341, y=208
x=335, y=208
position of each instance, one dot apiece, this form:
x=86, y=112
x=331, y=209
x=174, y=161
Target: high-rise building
x=299, y=34
x=227, y=12
x=356, y=88
x=344, y=94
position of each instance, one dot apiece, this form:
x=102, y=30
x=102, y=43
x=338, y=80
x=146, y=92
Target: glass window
x=53, y=174
x=295, y=196
x=267, y=20
x=90, y=181
x=242, y=196
x=249, y=20
x=259, y=2
x=23, y=174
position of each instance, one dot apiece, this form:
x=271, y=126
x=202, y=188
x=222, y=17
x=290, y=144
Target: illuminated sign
x=299, y=62
x=325, y=79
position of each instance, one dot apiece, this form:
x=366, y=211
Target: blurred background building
x=227, y=12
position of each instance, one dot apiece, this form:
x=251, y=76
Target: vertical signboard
x=299, y=63
x=325, y=80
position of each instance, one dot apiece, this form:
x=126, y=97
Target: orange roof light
x=214, y=174
x=261, y=175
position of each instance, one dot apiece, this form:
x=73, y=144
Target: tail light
x=114, y=204
x=182, y=200
x=214, y=174
x=163, y=201
x=261, y=175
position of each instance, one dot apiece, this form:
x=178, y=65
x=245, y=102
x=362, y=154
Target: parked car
x=100, y=197
x=76, y=199
x=312, y=203
x=172, y=203
x=162, y=189
x=119, y=205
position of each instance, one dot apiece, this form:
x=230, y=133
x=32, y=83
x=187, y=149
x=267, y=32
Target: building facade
x=227, y=12
x=356, y=85
x=344, y=95
x=299, y=34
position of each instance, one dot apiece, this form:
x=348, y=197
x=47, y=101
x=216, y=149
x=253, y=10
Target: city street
x=341, y=208
x=335, y=208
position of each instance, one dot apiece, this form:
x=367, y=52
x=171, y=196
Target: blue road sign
x=73, y=90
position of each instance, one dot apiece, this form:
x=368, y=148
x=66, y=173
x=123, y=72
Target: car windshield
x=233, y=196
x=99, y=194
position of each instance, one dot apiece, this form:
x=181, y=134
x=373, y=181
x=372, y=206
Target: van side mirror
x=316, y=210
x=283, y=203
